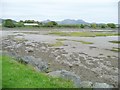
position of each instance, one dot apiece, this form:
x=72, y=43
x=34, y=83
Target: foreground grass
x=83, y=34
x=17, y=75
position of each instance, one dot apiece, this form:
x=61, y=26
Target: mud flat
x=91, y=58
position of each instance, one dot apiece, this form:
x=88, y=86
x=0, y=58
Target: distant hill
x=68, y=21
x=1, y=20
x=46, y=21
x=72, y=21
x=118, y=20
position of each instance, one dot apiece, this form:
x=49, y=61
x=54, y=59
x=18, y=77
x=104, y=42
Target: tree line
x=11, y=24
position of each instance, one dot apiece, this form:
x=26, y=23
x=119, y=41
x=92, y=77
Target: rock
x=38, y=63
x=9, y=47
x=29, y=49
x=18, y=46
x=64, y=52
x=69, y=64
x=25, y=59
x=86, y=84
x=102, y=85
x=43, y=48
x=65, y=45
x=67, y=75
x=20, y=34
x=73, y=47
x=92, y=47
x=43, y=67
x=28, y=43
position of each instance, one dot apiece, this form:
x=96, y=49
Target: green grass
x=115, y=49
x=83, y=42
x=56, y=44
x=83, y=34
x=17, y=75
x=20, y=39
x=116, y=42
x=61, y=39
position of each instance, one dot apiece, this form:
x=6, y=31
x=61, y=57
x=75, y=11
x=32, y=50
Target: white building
x=31, y=24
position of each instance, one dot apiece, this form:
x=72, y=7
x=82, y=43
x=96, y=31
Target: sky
x=99, y=11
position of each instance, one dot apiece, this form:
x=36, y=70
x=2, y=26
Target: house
x=31, y=24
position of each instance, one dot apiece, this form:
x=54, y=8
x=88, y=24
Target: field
x=90, y=55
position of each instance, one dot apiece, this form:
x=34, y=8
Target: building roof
x=30, y=24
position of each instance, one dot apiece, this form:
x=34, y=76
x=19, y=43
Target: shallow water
x=101, y=44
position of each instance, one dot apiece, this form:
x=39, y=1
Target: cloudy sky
x=100, y=11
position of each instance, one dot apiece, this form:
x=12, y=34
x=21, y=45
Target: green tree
x=29, y=21
x=103, y=26
x=82, y=26
x=93, y=26
x=8, y=23
x=21, y=21
x=19, y=24
x=111, y=25
x=51, y=24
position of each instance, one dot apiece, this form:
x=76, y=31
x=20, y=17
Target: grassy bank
x=83, y=34
x=17, y=75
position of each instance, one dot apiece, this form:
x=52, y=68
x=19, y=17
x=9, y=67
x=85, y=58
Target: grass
x=115, y=49
x=83, y=42
x=116, y=42
x=17, y=75
x=20, y=39
x=83, y=34
x=56, y=44
x=61, y=39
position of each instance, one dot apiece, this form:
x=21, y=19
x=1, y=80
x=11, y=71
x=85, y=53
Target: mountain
x=118, y=20
x=46, y=21
x=1, y=20
x=72, y=21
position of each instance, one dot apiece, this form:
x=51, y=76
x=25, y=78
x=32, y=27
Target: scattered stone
x=65, y=45
x=102, y=85
x=73, y=47
x=28, y=43
x=29, y=49
x=92, y=47
x=57, y=48
x=70, y=65
x=67, y=75
x=9, y=47
x=86, y=84
x=101, y=54
x=76, y=63
x=18, y=46
x=20, y=34
x=43, y=48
